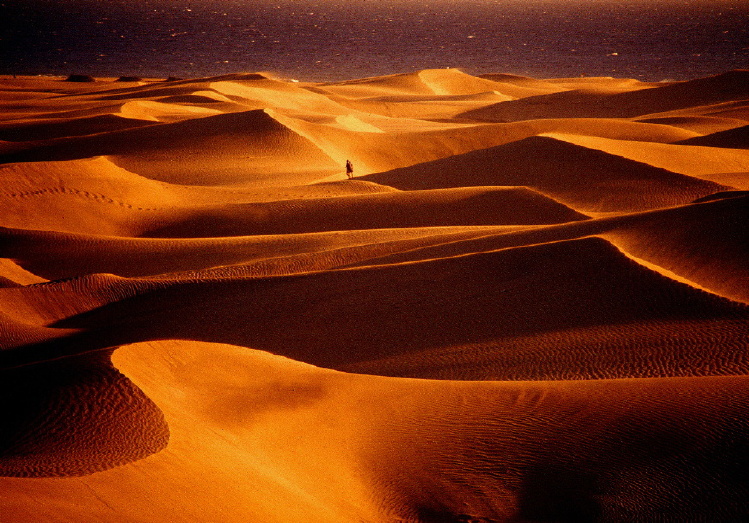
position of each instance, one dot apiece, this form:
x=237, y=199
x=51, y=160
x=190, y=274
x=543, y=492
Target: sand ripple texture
x=530, y=302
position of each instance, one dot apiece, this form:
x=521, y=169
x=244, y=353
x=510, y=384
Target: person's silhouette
x=349, y=169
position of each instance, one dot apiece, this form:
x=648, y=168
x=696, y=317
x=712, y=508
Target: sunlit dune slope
x=528, y=302
x=94, y=195
x=317, y=445
x=169, y=112
x=13, y=275
x=240, y=145
x=88, y=195
x=397, y=84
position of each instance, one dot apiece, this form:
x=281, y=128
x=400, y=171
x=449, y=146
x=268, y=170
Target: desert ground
x=527, y=303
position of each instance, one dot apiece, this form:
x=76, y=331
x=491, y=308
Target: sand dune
x=732, y=138
x=410, y=450
x=522, y=86
x=626, y=103
x=697, y=161
x=165, y=112
x=429, y=208
x=49, y=129
x=453, y=81
x=664, y=238
x=428, y=94
x=203, y=319
x=721, y=261
x=423, y=107
x=375, y=152
x=623, y=130
x=12, y=274
x=398, y=84
x=171, y=152
x=82, y=254
x=94, y=195
x=699, y=124
x=580, y=177
x=738, y=180
x=74, y=418
x=549, y=288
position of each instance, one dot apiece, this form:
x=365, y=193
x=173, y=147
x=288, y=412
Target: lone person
x=349, y=169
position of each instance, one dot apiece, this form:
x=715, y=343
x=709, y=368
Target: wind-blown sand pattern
x=530, y=303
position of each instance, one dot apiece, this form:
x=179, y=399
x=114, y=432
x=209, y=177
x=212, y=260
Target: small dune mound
x=250, y=77
x=559, y=104
x=455, y=82
x=521, y=86
x=74, y=418
x=732, y=138
x=51, y=129
x=39, y=305
x=151, y=91
x=18, y=331
x=192, y=99
x=619, y=130
x=129, y=79
x=13, y=274
x=80, y=78
x=161, y=112
x=721, y=196
x=398, y=84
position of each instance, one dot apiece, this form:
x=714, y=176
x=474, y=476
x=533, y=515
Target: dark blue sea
x=334, y=39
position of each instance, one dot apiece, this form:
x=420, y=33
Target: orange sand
x=529, y=304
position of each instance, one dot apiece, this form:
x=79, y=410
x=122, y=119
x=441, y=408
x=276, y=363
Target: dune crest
x=525, y=299
x=556, y=168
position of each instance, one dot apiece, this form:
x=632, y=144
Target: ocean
x=332, y=40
